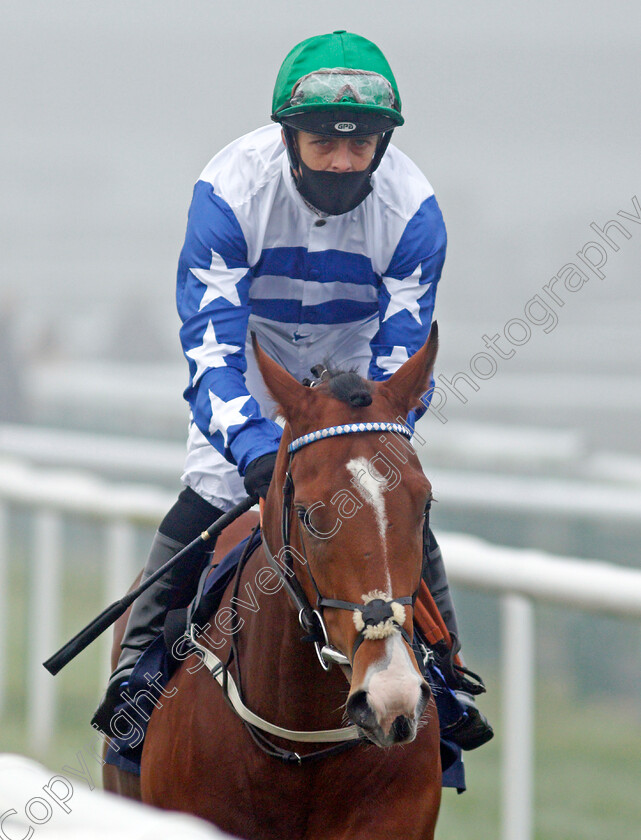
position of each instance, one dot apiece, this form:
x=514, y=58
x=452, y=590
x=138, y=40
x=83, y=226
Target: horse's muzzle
x=382, y=729
x=388, y=694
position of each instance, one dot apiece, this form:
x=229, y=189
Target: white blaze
x=395, y=688
x=371, y=486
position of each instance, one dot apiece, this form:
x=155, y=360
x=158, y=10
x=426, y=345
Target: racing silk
x=314, y=288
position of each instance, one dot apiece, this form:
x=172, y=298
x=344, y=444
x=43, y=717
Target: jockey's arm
x=213, y=303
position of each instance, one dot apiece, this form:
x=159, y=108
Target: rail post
x=46, y=586
x=119, y=574
x=518, y=716
x=4, y=604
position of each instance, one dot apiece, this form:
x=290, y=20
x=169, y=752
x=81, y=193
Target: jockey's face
x=336, y=154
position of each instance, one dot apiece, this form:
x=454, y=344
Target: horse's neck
x=280, y=673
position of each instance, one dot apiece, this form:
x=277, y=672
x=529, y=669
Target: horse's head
x=354, y=506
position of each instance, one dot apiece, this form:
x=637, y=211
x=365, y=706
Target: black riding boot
x=475, y=730
x=189, y=516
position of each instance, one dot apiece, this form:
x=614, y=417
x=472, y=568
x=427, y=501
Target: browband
x=346, y=429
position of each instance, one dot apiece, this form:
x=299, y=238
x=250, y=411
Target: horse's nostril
x=359, y=709
x=401, y=728
x=424, y=699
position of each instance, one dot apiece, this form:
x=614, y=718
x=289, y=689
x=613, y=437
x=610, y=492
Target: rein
x=342, y=738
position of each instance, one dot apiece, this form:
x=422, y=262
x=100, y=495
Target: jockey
x=328, y=243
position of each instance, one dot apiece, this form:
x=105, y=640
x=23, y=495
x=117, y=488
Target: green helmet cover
x=339, y=49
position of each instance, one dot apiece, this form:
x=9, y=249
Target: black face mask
x=334, y=193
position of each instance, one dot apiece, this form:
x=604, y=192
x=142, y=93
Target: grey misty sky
x=524, y=117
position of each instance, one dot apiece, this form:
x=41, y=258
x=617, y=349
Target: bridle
x=378, y=617
x=381, y=615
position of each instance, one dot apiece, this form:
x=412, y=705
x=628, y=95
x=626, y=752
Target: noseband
x=380, y=615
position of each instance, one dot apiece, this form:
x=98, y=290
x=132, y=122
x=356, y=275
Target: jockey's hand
x=258, y=475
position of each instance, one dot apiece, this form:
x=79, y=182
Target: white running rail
x=597, y=497
x=517, y=576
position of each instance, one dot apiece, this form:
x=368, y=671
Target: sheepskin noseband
x=379, y=617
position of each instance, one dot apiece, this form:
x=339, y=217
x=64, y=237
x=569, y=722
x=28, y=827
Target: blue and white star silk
x=361, y=286
x=405, y=294
x=210, y=354
x=224, y=415
x=396, y=358
x=220, y=281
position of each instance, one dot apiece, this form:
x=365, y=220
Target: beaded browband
x=348, y=428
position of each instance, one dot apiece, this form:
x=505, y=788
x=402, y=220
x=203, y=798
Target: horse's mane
x=347, y=386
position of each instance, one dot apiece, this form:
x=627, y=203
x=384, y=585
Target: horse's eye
x=428, y=505
x=303, y=516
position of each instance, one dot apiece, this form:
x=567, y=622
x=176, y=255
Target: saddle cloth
x=125, y=751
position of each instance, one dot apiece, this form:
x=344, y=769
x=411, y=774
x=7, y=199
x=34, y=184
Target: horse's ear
x=408, y=384
x=289, y=394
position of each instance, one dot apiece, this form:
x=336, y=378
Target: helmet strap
x=383, y=143
x=292, y=149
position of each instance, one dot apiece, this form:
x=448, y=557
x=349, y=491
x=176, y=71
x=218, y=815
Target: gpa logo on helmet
x=345, y=126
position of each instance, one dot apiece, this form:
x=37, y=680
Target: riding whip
x=112, y=613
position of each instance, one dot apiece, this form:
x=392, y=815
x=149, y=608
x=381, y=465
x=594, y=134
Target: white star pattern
x=220, y=281
x=405, y=294
x=393, y=362
x=226, y=414
x=210, y=354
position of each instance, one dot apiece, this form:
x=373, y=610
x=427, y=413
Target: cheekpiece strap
x=348, y=429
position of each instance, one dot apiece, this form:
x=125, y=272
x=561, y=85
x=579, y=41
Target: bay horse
x=340, y=563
